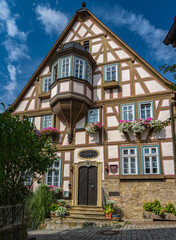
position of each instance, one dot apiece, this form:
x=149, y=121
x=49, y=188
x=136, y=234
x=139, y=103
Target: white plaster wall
x=100, y=58
x=126, y=90
x=29, y=93
x=80, y=137
x=156, y=103
x=164, y=133
x=124, y=65
x=45, y=71
x=76, y=26
x=68, y=37
x=53, y=91
x=113, y=44
x=168, y=167
x=154, y=86
x=78, y=87
x=65, y=142
x=94, y=138
x=96, y=40
x=96, y=29
x=98, y=69
x=117, y=109
x=107, y=94
x=62, y=126
x=65, y=185
x=38, y=122
x=121, y=54
x=59, y=154
x=138, y=89
x=88, y=22
x=97, y=79
x=142, y=72
x=112, y=121
x=75, y=38
x=64, y=86
x=32, y=105
x=66, y=170
x=89, y=93
x=165, y=103
x=45, y=103
x=125, y=75
x=109, y=110
x=21, y=106
x=97, y=94
x=163, y=115
x=82, y=31
x=115, y=92
x=167, y=149
x=67, y=156
x=96, y=47
x=110, y=57
x=115, y=135
x=113, y=151
x=80, y=123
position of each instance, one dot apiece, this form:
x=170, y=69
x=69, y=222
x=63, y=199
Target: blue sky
x=28, y=30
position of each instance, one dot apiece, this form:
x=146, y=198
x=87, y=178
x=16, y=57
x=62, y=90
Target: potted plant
x=108, y=210
x=53, y=208
x=56, y=190
x=110, y=202
x=61, y=211
x=50, y=132
x=62, y=202
x=93, y=127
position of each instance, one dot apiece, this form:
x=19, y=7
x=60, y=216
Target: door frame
x=76, y=176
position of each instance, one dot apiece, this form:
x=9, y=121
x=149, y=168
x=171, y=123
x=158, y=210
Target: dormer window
x=65, y=67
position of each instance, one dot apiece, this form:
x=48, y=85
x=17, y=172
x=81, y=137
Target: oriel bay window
x=129, y=160
x=53, y=175
x=79, y=68
x=151, y=159
x=128, y=112
x=65, y=67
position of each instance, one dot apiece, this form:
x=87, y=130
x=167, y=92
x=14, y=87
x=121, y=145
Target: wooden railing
x=11, y=215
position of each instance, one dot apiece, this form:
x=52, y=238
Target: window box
x=110, y=84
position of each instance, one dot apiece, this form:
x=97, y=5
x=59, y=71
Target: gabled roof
x=60, y=40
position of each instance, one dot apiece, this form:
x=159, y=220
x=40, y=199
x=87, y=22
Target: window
x=55, y=72
x=30, y=119
x=53, y=175
x=28, y=181
x=111, y=72
x=129, y=163
x=79, y=68
x=65, y=68
x=146, y=110
x=150, y=159
x=86, y=45
x=46, y=84
x=89, y=74
x=46, y=121
x=128, y=112
x=93, y=116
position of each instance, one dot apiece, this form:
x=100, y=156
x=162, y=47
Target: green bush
x=53, y=207
x=62, y=202
x=37, y=206
x=154, y=207
x=169, y=208
x=61, y=211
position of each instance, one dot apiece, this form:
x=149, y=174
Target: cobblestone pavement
x=122, y=231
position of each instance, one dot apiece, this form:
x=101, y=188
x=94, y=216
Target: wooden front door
x=87, y=186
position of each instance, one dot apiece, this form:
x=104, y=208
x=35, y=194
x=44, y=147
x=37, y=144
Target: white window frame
x=108, y=68
x=46, y=83
x=31, y=119
x=95, y=112
x=46, y=121
x=83, y=69
x=150, y=155
x=89, y=73
x=151, y=109
x=54, y=169
x=129, y=156
x=123, y=111
x=67, y=65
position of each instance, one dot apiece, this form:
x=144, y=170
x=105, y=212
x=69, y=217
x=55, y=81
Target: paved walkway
x=122, y=231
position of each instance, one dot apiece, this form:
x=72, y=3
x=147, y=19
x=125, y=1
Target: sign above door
x=88, y=154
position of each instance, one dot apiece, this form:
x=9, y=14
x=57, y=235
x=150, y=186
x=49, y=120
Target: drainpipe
x=173, y=134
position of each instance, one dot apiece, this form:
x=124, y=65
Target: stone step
x=93, y=211
x=91, y=208
x=88, y=214
x=88, y=218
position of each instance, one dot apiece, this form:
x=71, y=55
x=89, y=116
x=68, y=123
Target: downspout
x=173, y=134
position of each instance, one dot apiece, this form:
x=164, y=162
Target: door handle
x=92, y=186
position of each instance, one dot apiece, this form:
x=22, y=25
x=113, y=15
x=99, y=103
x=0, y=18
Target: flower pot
x=138, y=136
x=52, y=213
x=108, y=215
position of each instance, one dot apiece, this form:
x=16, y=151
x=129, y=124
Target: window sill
x=111, y=84
x=44, y=95
x=153, y=176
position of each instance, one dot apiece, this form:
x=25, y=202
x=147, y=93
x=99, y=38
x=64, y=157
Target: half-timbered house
x=90, y=75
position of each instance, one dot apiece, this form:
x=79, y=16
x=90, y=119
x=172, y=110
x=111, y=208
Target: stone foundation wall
x=134, y=193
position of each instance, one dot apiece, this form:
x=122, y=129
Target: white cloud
x=11, y=85
x=53, y=21
x=136, y=23
x=16, y=50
